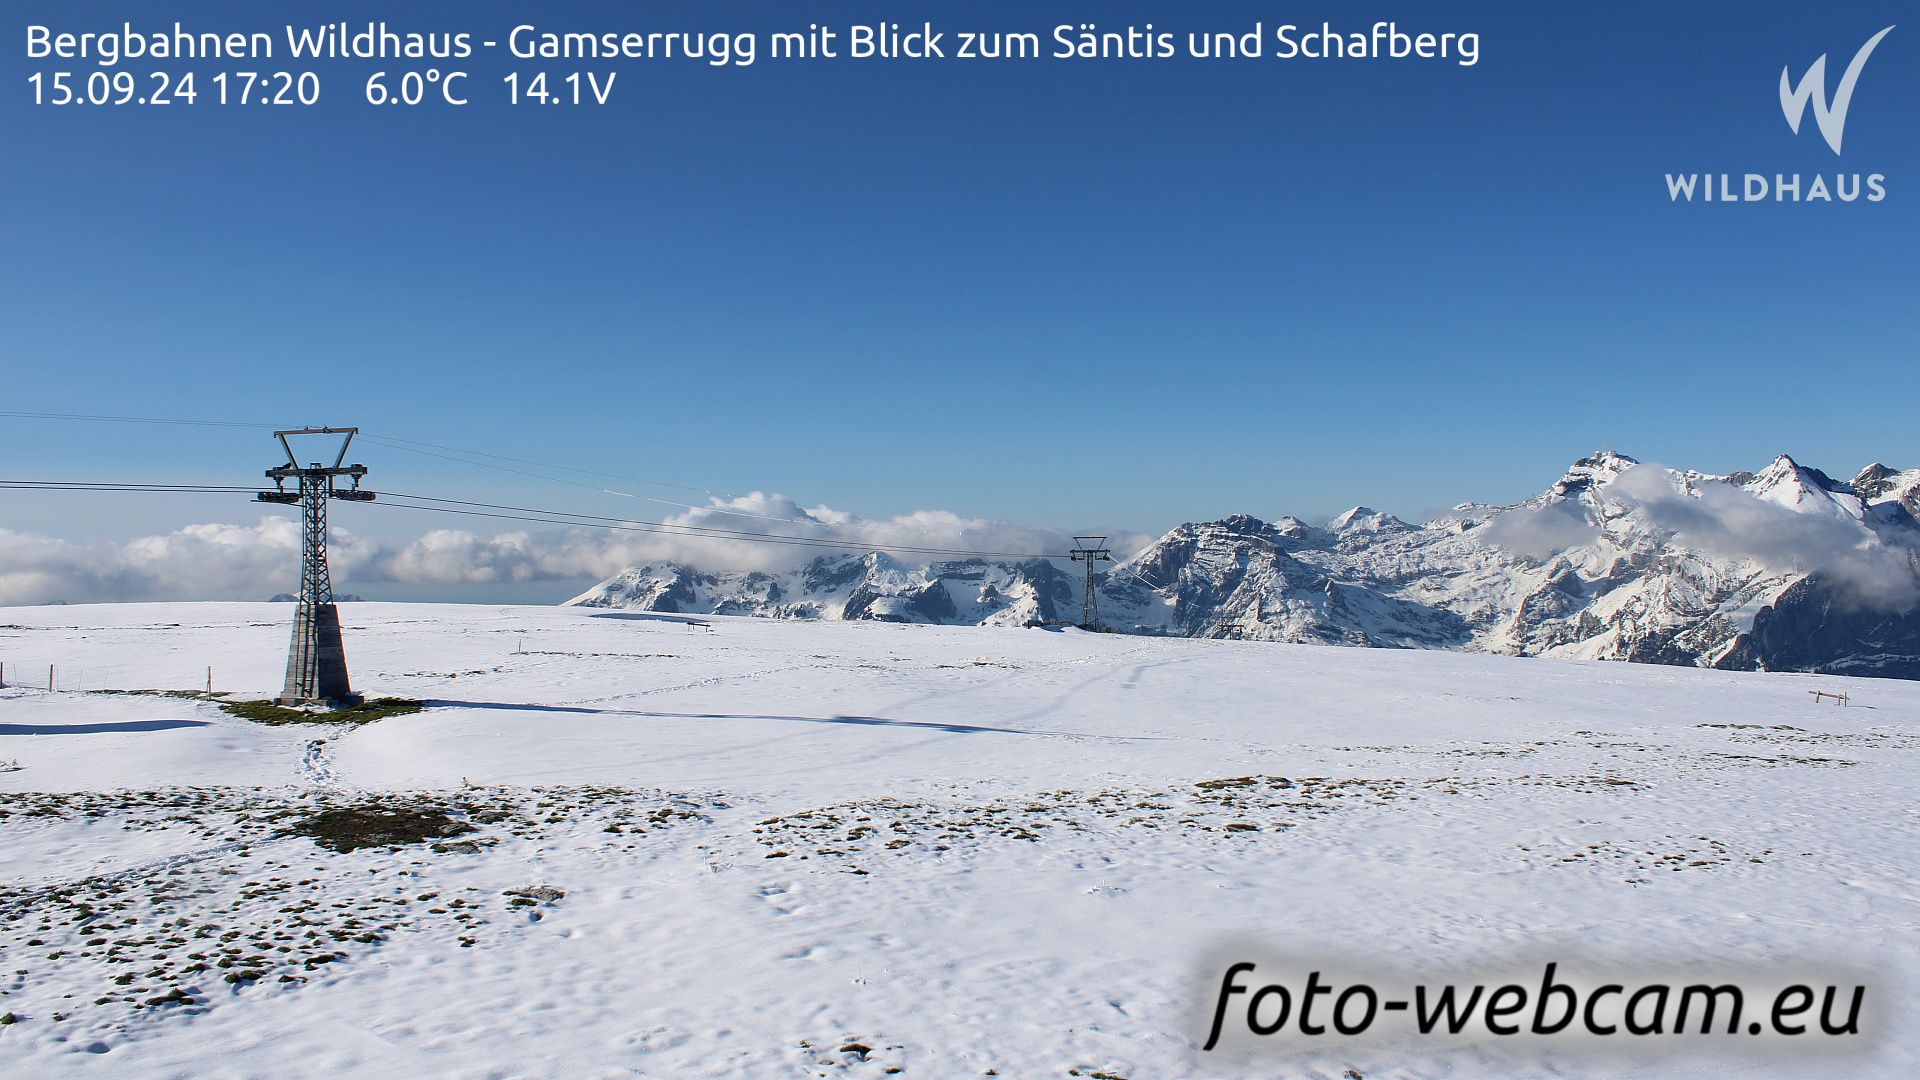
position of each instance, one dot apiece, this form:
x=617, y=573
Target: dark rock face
x=1053, y=591
x=1559, y=596
x=830, y=572
x=932, y=603
x=1815, y=626
x=1873, y=480
x=1887, y=486
x=675, y=594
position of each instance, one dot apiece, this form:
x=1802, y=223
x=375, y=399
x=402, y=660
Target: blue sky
x=1112, y=294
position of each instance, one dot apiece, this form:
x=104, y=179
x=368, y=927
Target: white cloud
x=1540, y=532
x=1728, y=522
x=199, y=561
x=221, y=561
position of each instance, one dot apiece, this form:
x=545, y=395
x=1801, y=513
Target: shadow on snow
x=103, y=728
x=860, y=721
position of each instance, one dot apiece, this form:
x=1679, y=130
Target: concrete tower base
x=316, y=661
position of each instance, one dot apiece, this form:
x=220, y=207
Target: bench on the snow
x=1840, y=699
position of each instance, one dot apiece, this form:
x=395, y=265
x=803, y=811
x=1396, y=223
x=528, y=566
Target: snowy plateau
x=634, y=844
x=1783, y=570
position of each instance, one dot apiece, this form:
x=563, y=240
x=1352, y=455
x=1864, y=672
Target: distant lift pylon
x=1091, y=550
x=316, y=660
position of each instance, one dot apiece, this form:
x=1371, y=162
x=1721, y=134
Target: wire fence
x=28, y=673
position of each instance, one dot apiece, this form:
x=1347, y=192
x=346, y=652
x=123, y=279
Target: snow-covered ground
x=791, y=849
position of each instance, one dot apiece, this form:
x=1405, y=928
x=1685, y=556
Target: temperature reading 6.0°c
x=415, y=87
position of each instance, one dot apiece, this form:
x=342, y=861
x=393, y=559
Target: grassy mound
x=350, y=828
x=266, y=712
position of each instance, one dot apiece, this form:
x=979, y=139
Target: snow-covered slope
x=1612, y=561
x=759, y=848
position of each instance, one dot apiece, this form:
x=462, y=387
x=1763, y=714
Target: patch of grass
x=266, y=712
x=350, y=828
x=1226, y=782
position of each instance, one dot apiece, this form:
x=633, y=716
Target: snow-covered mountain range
x=1785, y=569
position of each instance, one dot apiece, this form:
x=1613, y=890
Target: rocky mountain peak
x=1797, y=487
x=1588, y=473
x=1365, y=519
x=1244, y=524
x=1871, y=475
x=1877, y=482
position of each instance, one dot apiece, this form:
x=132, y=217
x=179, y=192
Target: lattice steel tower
x=1091, y=550
x=316, y=661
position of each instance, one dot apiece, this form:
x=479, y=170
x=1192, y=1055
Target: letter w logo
x=1813, y=88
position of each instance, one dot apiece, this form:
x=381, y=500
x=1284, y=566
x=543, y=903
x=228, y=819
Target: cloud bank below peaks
x=251, y=562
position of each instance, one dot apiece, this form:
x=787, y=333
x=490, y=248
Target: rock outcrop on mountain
x=1784, y=569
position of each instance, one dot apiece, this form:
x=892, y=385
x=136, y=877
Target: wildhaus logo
x=1813, y=90
x=1829, y=114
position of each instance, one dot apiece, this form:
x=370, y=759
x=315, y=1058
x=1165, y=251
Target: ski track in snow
x=697, y=684
x=866, y=850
